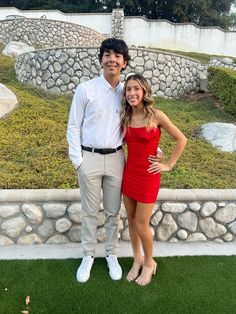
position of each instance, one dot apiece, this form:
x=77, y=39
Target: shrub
x=222, y=83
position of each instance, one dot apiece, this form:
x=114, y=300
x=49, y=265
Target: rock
x=9, y=210
x=173, y=240
x=219, y=240
x=156, y=218
x=227, y=60
x=220, y=135
x=63, y=225
x=75, y=234
x=15, y=48
x=4, y=241
x=228, y=237
x=212, y=229
x=125, y=235
x=203, y=83
x=195, y=206
x=57, y=239
x=149, y=65
x=182, y=234
x=174, y=207
x=208, y=209
x=29, y=239
x=28, y=229
x=232, y=227
x=54, y=210
x=13, y=227
x=167, y=228
x=188, y=221
x=33, y=213
x=8, y=100
x=194, y=237
x=46, y=229
x=139, y=61
x=161, y=58
x=226, y=214
x=75, y=212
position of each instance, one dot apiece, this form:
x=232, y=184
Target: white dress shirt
x=94, y=119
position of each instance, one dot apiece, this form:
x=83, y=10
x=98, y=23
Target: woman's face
x=134, y=93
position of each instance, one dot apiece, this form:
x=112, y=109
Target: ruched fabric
x=139, y=184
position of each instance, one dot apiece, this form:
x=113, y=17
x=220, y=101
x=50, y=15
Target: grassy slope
x=33, y=148
x=183, y=285
x=202, y=57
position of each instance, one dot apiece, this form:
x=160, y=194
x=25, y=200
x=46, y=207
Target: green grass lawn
x=33, y=148
x=182, y=285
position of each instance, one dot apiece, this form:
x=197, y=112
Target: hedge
x=222, y=82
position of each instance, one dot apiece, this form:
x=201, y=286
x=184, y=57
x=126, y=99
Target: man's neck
x=112, y=80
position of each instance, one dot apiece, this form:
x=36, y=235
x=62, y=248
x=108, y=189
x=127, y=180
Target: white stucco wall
x=99, y=22
x=185, y=37
x=233, y=8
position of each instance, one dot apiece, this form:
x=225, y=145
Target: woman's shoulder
x=158, y=115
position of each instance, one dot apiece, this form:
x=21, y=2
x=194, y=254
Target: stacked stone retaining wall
x=48, y=33
x=54, y=216
x=217, y=62
x=61, y=70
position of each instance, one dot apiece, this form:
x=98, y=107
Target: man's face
x=112, y=63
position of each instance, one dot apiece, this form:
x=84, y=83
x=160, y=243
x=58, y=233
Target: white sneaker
x=115, y=270
x=83, y=272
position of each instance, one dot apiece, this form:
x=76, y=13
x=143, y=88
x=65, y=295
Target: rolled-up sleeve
x=76, y=117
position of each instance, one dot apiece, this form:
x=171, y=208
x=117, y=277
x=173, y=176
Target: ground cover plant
x=202, y=57
x=33, y=148
x=182, y=285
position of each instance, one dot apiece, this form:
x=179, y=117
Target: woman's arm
x=164, y=122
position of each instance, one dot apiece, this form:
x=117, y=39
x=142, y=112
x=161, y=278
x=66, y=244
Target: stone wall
x=216, y=62
x=118, y=23
x=151, y=33
x=48, y=33
x=54, y=216
x=60, y=70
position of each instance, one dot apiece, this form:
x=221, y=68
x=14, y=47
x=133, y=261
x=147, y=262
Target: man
x=95, y=149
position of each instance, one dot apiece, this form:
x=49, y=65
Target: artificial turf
x=203, y=284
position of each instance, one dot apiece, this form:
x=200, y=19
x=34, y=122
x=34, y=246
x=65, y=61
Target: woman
x=141, y=125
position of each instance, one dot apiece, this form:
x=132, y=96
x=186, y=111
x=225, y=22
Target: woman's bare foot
x=146, y=275
x=134, y=271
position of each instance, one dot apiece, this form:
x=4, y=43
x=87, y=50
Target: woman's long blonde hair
x=126, y=110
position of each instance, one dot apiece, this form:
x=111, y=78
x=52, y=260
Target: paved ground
x=74, y=250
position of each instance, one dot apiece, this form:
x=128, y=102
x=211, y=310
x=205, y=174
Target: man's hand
x=156, y=165
x=158, y=157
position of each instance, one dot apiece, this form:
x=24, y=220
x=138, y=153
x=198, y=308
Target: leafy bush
x=222, y=82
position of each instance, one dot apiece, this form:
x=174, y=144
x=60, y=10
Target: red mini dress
x=139, y=184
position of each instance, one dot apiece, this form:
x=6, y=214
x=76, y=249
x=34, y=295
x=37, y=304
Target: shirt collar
x=108, y=86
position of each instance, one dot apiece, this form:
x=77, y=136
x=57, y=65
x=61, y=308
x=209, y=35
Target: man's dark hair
x=117, y=45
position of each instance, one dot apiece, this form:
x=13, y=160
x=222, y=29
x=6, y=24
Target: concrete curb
x=74, y=250
x=73, y=195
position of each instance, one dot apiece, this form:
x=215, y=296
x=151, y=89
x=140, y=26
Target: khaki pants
x=100, y=172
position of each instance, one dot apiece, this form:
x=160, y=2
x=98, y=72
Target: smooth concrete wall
x=184, y=37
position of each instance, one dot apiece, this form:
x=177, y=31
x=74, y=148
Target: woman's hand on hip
x=157, y=167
